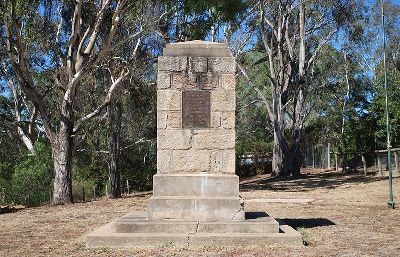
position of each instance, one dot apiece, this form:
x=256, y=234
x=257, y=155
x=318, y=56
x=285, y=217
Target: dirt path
x=348, y=216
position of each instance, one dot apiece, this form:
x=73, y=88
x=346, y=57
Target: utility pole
x=389, y=155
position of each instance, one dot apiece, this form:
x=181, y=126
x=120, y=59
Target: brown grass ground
x=349, y=217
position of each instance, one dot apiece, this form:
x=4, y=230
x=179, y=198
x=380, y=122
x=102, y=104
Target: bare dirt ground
x=348, y=216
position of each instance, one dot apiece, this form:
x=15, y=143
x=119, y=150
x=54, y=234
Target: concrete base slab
x=136, y=230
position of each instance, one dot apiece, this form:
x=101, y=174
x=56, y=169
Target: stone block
x=172, y=63
x=228, y=120
x=163, y=161
x=161, y=227
x=184, y=80
x=163, y=80
x=169, y=100
x=222, y=65
x=208, y=80
x=223, y=100
x=195, y=208
x=197, y=48
x=162, y=119
x=266, y=225
x=215, y=120
x=214, y=139
x=174, y=119
x=203, y=184
x=198, y=64
x=223, y=161
x=228, y=81
x=183, y=161
x=245, y=239
x=172, y=139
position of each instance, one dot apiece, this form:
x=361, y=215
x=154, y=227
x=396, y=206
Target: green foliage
x=305, y=234
x=253, y=146
x=378, y=109
x=80, y=185
x=31, y=181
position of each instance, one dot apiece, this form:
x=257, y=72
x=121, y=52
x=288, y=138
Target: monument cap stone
x=197, y=48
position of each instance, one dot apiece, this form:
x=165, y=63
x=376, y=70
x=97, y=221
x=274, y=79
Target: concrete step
x=267, y=225
x=124, y=240
x=133, y=230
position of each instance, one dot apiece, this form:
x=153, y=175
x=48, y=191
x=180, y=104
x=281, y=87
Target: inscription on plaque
x=196, y=109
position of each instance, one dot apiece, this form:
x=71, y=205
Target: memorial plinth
x=196, y=135
x=195, y=198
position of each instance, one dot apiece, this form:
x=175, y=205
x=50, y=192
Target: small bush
x=31, y=181
x=305, y=235
x=77, y=189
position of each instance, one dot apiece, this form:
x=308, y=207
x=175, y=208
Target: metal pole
x=390, y=202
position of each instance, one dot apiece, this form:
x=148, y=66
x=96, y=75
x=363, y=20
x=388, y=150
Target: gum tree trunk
x=114, y=116
x=62, y=158
x=286, y=160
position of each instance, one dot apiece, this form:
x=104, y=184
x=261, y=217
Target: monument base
x=203, y=197
x=136, y=230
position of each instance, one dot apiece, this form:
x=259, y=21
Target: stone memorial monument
x=195, y=198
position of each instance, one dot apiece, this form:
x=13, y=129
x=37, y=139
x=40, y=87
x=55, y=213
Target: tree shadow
x=306, y=223
x=329, y=179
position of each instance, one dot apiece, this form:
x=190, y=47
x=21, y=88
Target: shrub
x=32, y=177
x=77, y=192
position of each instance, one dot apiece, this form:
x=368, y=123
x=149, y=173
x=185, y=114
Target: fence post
x=83, y=195
x=379, y=165
x=127, y=186
x=336, y=162
x=106, y=190
x=364, y=164
x=94, y=193
x=313, y=157
x=329, y=156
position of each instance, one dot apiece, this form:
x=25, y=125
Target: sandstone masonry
x=200, y=151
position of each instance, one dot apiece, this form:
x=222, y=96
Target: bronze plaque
x=196, y=109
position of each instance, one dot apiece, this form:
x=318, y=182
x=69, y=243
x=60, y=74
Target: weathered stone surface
x=184, y=80
x=155, y=226
x=214, y=139
x=162, y=119
x=169, y=63
x=222, y=65
x=184, y=161
x=163, y=80
x=223, y=100
x=163, y=161
x=228, y=120
x=195, y=208
x=223, y=161
x=198, y=64
x=215, y=120
x=228, y=81
x=174, y=119
x=174, y=139
x=195, y=184
x=269, y=225
x=197, y=48
x=208, y=80
x=136, y=230
x=169, y=100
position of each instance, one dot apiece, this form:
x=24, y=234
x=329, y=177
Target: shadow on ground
x=329, y=179
x=306, y=223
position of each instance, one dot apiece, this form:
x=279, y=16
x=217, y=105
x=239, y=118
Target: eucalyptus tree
x=292, y=34
x=53, y=47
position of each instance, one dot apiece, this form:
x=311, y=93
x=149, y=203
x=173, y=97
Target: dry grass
x=349, y=217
